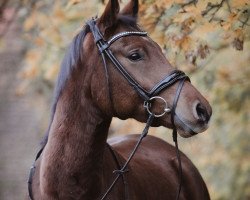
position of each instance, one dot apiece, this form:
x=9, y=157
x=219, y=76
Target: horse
x=114, y=69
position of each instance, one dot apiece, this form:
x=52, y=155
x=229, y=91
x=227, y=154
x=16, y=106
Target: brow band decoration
x=124, y=34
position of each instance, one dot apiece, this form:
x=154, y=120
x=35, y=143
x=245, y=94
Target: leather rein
x=147, y=96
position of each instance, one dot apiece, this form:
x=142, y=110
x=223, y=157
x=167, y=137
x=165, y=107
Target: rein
x=147, y=96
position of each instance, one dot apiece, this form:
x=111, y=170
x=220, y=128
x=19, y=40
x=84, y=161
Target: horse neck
x=73, y=157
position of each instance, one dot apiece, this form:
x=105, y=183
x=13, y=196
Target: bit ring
x=147, y=105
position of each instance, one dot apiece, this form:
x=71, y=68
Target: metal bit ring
x=147, y=105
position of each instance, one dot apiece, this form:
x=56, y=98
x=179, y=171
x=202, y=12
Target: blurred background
x=210, y=40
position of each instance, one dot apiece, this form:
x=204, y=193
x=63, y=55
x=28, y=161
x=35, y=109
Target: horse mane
x=72, y=59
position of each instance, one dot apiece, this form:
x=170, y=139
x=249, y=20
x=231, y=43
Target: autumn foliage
x=209, y=39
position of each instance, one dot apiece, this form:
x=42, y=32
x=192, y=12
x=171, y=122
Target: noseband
x=147, y=96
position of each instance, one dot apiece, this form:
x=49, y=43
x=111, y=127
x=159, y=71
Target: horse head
x=144, y=61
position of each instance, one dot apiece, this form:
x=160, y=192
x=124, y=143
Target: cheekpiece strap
x=95, y=30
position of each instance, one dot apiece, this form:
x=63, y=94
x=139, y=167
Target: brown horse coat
x=76, y=163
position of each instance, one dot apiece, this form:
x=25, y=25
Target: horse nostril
x=202, y=113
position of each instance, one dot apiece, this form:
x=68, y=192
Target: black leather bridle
x=103, y=47
x=147, y=96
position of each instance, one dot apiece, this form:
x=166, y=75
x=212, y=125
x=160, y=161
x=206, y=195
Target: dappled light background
x=207, y=39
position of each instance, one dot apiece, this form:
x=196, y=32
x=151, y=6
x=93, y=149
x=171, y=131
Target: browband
x=124, y=34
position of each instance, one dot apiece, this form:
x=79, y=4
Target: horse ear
x=131, y=8
x=110, y=13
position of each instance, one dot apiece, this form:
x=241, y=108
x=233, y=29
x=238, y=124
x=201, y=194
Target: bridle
x=147, y=96
x=103, y=47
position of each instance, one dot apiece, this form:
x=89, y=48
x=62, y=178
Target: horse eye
x=135, y=57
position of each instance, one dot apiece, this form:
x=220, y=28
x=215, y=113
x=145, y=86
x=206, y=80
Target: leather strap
x=31, y=173
x=124, y=168
x=103, y=47
x=119, y=167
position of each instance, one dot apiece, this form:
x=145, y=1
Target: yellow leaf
x=52, y=72
x=227, y=26
x=232, y=16
x=30, y=72
x=72, y=2
x=52, y=35
x=21, y=89
x=39, y=41
x=29, y=23
x=42, y=20
x=223, y=73
x=183, y=43
x=159, y=37
x=58, y=14
x=239, y=33
x=239, y=3
x=32, y=57
x=238, y=39
x=186, y=25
